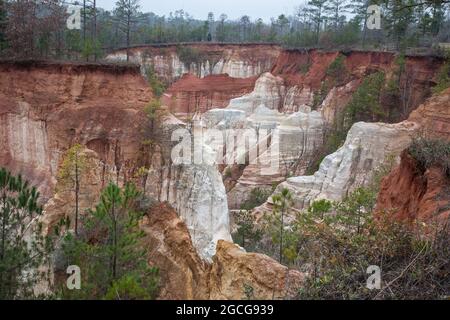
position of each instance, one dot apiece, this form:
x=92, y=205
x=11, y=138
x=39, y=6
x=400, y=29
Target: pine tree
x=399, y=16
x=23, y=248
x=335, y=10
x=365, y=104
x=282, y=203
x=221, y=32
x=126, y=12
x=315, y=10
x=109, y=251
x=73, y=165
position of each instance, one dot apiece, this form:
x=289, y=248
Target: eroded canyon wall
x=233, y=273
x=410, y=191
x=172, y=61
x=47, y=108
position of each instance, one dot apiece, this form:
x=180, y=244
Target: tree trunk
x=281, y=236
x=77, y=191
x=114, y=263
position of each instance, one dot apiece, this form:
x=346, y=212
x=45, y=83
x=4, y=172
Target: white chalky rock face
x=238, y=68
x=223, y=118
x=171, y=68
x=297, y=99
x=299, y=135
x=198, y=194
x=366, y=148
x=269, y=91
x=25, y=142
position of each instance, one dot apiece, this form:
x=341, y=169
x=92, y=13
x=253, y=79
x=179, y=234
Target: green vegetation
x=227, y=174
x=334, y=139
x=443, y=77
x=340, y=249
x=336, y=242
x=153, y=113
x=304, y=68
x=3, y=13
x=365, y=104
x=356, y=208
x=336, y=74
x=25, y=32
x=337, y=70
x=393, y=86
x=249, y=292
x=109, y=250
x=321, y=94
x=247, y=234
x=429, y=152
x=320, y=207
x=155, y=83
x=90, y=48
x=73, y=166
x=189, y=55
x=23, y=258
x=257, y=197
x=281, y=206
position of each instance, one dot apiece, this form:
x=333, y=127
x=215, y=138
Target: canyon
x=45, y=108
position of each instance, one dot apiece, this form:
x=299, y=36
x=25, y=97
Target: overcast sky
x=233, y=8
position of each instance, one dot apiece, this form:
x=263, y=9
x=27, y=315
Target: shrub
x=257, y=197
x=129, y=287
x=247, y=234
x=334, y=139
x=23, y=248
x=431, y=152
x=443, y=78
x=227, y=174
x=321, y=94
x=190, y=55
x=412, y=268
x=110, y=250
x=365, y=103
x=337, y=70
x=155, y=83
x=338, y=250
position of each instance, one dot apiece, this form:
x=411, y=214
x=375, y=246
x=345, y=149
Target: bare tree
x=32, y=26
x=2, y=23
x=244, y=23
x=126, y=12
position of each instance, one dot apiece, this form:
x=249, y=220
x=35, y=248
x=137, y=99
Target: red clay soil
x=434, y=116
x=303, y=68
x=309, y=68
x=45, y=108
x=192, y=94
x=411, y=193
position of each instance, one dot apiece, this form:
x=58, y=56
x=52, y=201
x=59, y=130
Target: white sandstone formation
x=269, y=92
x=297, y=99
x=366, y=148
x=298, y=136
x=197, y=193
x=26, y=144
x=170, y=67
